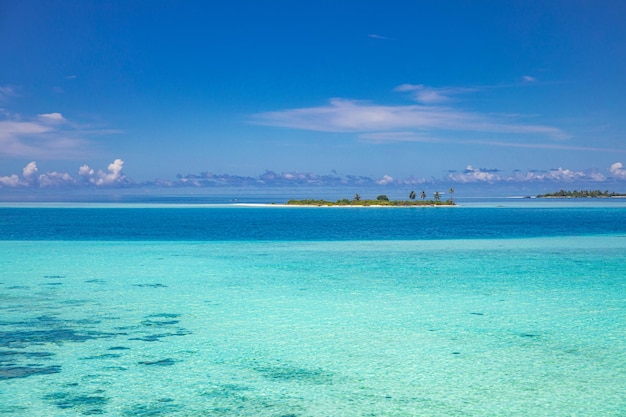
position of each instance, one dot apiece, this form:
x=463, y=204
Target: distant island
x=381, y=200
x=581, y=194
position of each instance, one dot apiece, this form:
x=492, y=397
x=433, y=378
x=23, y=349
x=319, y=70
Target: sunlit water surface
x=313, y=312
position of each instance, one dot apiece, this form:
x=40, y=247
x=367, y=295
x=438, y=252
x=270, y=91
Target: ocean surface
x=514, y=309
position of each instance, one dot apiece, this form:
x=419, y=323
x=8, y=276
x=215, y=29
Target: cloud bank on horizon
x=87, y=176
x=113, y=177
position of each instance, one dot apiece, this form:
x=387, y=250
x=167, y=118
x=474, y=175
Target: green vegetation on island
x=581, y=194
x=381, y=200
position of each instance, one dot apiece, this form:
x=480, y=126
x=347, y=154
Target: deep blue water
x=306, y=224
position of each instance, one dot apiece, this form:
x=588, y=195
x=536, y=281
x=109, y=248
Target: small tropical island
x=381, y=200
x=582, y=194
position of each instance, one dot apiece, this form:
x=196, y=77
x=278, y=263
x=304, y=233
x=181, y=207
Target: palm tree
x=357, y=197
x=423, y=195
x=412, y=195
x=437, y=196
x=451, y=191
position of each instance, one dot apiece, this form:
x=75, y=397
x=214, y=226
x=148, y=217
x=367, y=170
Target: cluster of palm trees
x=413, y=195
x=436, y=196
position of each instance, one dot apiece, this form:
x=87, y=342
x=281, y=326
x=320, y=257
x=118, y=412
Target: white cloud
x=408, y=87
x=386, y=179
x=375, y=36
x=9, y=181
x=52, y=118
x=596, y=176
x=429, y=95
x=618, y=170
x=472, y=174
x=353, y=116
x=293, y=175
x=558, y=174
x=85, y=171
x=561, y=174
x=54, y=178
x=30, y=170
x=113, y=176
x=34, y=139
x=11, y=129
x=48, y=136
x=529, y=79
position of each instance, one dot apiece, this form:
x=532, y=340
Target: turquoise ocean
x=513, y=309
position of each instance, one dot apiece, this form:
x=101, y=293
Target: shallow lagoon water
x=298, y=322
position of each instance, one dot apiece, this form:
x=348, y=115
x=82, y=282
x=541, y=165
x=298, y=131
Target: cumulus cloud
x=618, y=170
x=32, y=179
x=471, y=174
x=85, y=171
x=30, y=170
x=9, y=181
x=113, y=175
x=386, y=179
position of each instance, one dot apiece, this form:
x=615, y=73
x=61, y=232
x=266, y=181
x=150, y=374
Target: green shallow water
x=500, y=327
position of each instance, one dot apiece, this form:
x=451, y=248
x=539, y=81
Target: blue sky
x=121, y=93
